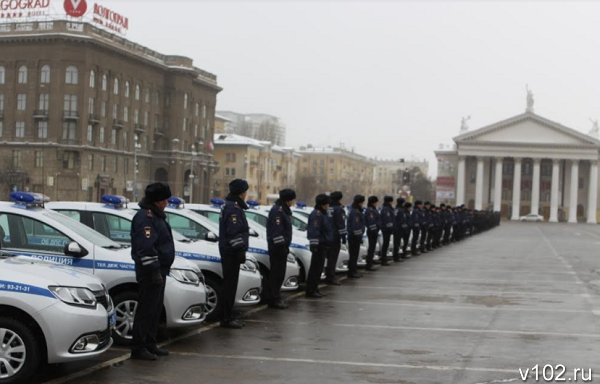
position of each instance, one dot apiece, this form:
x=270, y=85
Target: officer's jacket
x=408, y=219
x=152, y=246
x=279, y=226
x=356, y=223
x=401, y=220
x=319, y=231
x=233, y=226
x=415, y=218
x=337, y=216
x=427, y=218
x=387, y=219
x=372, y=220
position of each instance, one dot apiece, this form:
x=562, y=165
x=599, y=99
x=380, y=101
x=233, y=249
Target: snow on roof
x=233, y=139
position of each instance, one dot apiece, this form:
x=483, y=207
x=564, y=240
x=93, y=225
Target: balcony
x=69, y=142
x=94, y=119
x=71, y=115
x=41, y=114
x=139, y=128
x=118, y=124
x=159, y=132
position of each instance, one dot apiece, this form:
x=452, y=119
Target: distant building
x=258, y=126
x=268, y=168
x=220, y=124
x=389, y=176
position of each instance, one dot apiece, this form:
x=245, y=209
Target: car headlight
x=185, y=276
x=81, y=297
x=291, y=258
x=344, y=247
x=249, y=265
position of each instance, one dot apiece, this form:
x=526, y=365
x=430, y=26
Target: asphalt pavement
x=470, y=313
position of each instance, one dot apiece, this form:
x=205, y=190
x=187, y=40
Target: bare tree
x=246, y=129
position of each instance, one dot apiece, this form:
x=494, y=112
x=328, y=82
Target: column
x=574, y=190
x=554, y=191
x=498, y=185
x=516, y=202
x=479, y=185
x=592, y=192
x=535, y=187
x=460, y=183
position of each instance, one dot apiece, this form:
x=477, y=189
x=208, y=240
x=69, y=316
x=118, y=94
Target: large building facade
x=78, y=106
x=259, y=126
x=521, y=165
x=389, y=177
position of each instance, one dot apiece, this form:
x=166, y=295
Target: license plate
x=112, y=321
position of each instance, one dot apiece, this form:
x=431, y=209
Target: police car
x=49, y=313
x=113, y=218
x=197, y=227
x=30, y=229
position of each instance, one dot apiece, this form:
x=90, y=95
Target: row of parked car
x=67, y=280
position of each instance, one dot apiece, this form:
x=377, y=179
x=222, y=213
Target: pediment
x=527, y=128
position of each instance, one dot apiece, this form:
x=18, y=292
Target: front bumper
x=342, y=262
x=249, y=288
x=291, y=282
x=185, y=304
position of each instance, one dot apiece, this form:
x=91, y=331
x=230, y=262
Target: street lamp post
x=136, y=148
x=193, y=147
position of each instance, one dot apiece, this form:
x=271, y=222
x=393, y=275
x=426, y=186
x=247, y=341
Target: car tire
x=125, y=304
x=214, y=289
x=24, y=337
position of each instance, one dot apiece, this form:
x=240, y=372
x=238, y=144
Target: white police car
x=30, y=229
x=113, y=219
x=49, y=313
x=197, y=227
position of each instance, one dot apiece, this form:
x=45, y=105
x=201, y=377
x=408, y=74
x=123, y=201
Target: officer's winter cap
x=336, y=196
x=157, y=192
x=322, y=199
x=359, y=199
x=442, y=205
x=427, y=203
x=238, y=186
x=388, y=199
x=418, y=202
x=407, y=205
x=400, y=201
x=373, y=199
x=287, y=195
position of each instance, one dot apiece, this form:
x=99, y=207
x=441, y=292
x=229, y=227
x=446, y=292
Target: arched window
x=137, y=92
x=45, y=75
x=23, y=75
x=104, y=83
x=116, y=87
x=72, y=75
x=185, y=101
x=197, y=111
x=127, y=89
x=92, y=79
x=204, y=111
x=2, y=75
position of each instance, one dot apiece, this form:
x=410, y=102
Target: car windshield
x=83, y=230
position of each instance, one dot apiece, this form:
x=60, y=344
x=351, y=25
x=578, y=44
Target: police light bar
x=29, y=198
x=217, y=202
x=253, y=203
x=176, y=202
x=117, y=201
x=301, y=205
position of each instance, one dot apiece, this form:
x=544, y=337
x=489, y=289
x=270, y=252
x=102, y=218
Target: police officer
x=279, y=238
x=153, y=251
x=387, y=227
x=337, y=216
x=399, y=222
x=356, y=229
x=373, y=223
x=406, y=229
x=320, y=237
x=426, y=227
x=416, y=220
x=233, y=244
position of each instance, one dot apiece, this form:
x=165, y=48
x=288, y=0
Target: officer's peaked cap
x=400, y=200
x=359, y=199
x=388, y=199
x=238, y=186
x=157, y=192
x=373, y=199
x=322, y=199
x=287, y=195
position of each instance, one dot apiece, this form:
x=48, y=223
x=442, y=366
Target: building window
x=115, y=165
x=137, y=92
x=102, y=163
x=104, y=83
x=102, y=129
x=581, y=183
x=44, y=104
x=92, y=79
x=145, y=143
x=124, y=140
x=68, y=160
x=113, y=137
x=472, y=178
x=197, y=110
x=1, y=127
x=157, y=100
x=16, y=159
x=126, y=114
x=127, y=89
x=72, y=75
x=103, y=109
x=147, y=96
x=546, y=169
x=116, y=87
x=39, y=159
x=185, y=101
x=195, y=130
x=91, y=161
x=20, y=129
x=527, y=169
x=228, y=157
x=232, y=171
x=90, y=133
x=22, y=75
x=69, y=131
x=42, y=129
x=508, y=169
x=115, y=111
x=226, y=171
x=1, y=102
x=126, y=166
x=168, y=100
x=146, y=118
x=91, y=105
x=184, y=124
x=331, y=171
x=21, y=102
x=2, y=75
x=70, y=103
x=156, y=120
x=167, y=121
x=136, y=116
x=45, y=75
x=204, y=111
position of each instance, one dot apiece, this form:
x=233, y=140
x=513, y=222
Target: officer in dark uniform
x=153, y=251
x=279, y=238
x=399, y=221
x=356, y=230
x=406, y=229
x=337, y=216
x=387, y=227
x=373, y=223
x=416, y=220
x=447, y=214
x=233, y=244
x=320, y=237
x=426, y=227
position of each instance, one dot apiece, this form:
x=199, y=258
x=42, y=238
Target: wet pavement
x=470, y=313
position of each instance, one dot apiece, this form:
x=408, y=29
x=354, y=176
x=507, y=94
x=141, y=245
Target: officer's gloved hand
x=314, y=248
x=157, y=277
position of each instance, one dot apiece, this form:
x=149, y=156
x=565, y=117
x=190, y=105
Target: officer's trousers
x=385, y=246
x=372, y=236
x=398, y=236
x=354, y=250
x=415, y=239
x=231, y=275
x=405, y=238
x=317, y=263
x=447, y=234
x=332, y=257
x=278, y=260
x=430, y=237
x=424, y=234
x=148, y=311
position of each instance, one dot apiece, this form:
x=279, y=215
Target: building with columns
x=521, y=165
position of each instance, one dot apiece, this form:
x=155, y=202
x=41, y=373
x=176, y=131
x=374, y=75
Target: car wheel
x=125, y=306
x=214, y=288
x=20, y=354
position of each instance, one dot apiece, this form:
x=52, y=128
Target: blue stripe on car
x=11, y=286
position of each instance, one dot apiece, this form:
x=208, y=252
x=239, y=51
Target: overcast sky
x=390, y=78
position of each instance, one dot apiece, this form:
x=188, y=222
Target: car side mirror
x=253, y=233
x=74, y=249
x=211, y=237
